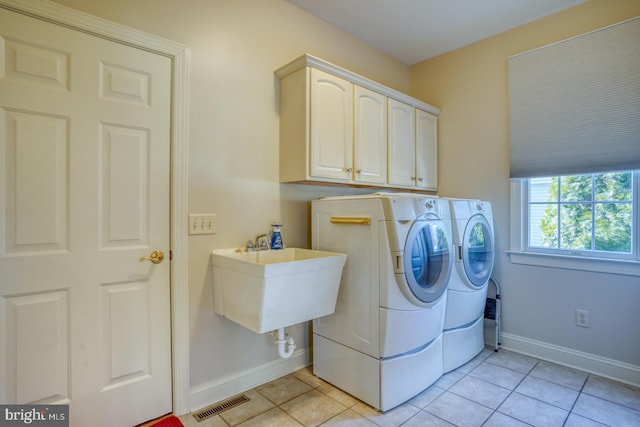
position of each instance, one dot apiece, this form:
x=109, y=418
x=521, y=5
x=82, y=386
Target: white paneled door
x=84, y=194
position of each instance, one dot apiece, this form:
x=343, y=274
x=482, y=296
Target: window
x=589, y=218
x=582, y=214
x=574, y=118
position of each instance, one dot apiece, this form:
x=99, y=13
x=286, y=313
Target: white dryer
x=473, y=240
x=383, y=344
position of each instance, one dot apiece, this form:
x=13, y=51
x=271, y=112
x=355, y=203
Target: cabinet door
x=426, y=150
x=370, y=136
x=331, y=127
x=402, y=144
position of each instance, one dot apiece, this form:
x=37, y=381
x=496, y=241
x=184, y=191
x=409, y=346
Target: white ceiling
x=415, y=30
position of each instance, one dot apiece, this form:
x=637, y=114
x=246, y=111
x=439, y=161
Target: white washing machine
x=383, y=344
x=473, y=242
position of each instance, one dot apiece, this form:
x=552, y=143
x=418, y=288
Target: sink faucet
x=261, y=243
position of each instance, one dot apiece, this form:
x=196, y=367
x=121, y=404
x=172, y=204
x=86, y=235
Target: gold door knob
x=155, y=257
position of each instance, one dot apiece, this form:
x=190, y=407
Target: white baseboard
x=212, y=392
x=597, y=365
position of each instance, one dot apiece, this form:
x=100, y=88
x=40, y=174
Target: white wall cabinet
x=331, y=127
x=402, y=144
x=370, y=137
x=343, y=127
x=338, y=127
x=413, y=148
x=426, y=150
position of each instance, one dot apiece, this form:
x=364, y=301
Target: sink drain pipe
x=283, y=341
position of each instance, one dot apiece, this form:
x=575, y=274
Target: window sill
x=600, y=265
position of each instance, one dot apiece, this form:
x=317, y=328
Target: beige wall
x=470, y=86
x=235, y=46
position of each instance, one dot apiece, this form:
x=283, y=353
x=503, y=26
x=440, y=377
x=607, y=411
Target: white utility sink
x=272, y=289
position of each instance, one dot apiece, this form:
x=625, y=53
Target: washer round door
x=477, y=251
x=427, y=258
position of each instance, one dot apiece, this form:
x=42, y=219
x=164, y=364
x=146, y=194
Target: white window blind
x=575, y=105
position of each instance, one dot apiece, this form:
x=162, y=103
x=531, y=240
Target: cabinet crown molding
x=307, y=60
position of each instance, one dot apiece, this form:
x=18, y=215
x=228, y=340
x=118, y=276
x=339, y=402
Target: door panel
x=125, y=336
x=84, y=194
x=36, y=332
x=32, y=63
x=36, y=194
x=124, y=186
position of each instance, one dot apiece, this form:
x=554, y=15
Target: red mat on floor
x=171, y=421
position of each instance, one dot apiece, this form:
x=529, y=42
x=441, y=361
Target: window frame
x=521, y=253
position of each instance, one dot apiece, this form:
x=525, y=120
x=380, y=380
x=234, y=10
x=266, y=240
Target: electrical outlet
x=202, y=223
x=582, y=318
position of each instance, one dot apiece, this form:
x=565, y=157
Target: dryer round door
x=477, y=251
x=427, y=259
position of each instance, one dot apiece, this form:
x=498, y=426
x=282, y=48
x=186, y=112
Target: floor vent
x=218, y=408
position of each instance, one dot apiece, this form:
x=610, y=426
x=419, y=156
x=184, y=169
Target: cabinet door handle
x=348, y=170
x=359, y=171
x=413, y=178
x=420, y=179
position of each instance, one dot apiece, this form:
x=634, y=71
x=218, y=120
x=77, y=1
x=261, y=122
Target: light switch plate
x=202, y=223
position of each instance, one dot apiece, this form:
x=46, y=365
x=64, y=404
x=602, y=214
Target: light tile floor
x=494, y=389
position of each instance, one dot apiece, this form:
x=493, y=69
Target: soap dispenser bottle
x=276, y=237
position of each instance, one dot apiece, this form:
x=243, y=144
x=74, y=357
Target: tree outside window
x=582, y=212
